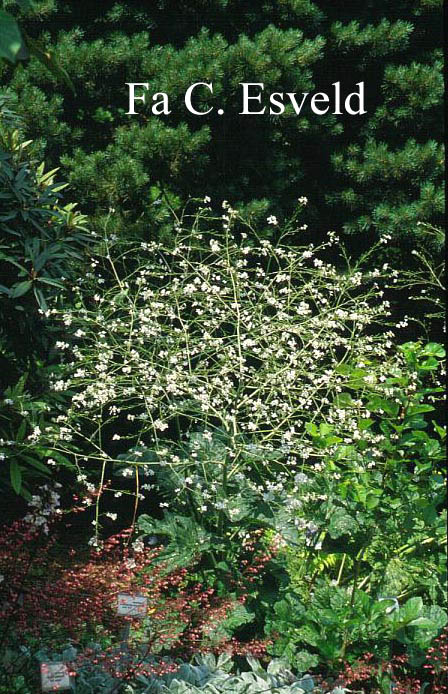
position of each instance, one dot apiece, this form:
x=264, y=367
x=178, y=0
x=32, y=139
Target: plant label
x=132, y=605
x=54, y=677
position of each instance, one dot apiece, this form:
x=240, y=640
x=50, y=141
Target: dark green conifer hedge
x=373, y=174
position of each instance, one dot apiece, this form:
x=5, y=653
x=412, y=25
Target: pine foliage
x=379, y=173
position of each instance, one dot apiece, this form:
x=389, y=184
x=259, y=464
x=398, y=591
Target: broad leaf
x=342, y=524
x=11, y=42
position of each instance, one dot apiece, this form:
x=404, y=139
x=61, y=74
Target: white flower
x=59, y=385
x=138, y=545
x=303, y=200
x=272, y=220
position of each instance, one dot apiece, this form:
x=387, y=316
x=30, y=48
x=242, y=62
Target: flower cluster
x=44, y=506
x=215, y=335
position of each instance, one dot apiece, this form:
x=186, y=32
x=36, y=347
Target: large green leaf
x=184, y=538
x=437, y=615
x=237, y=508
x=16, y=476
x=11, y=41
x=410, y=610
x=304, y=661
x=20, y=289
x=434, y=349
x=342, y=524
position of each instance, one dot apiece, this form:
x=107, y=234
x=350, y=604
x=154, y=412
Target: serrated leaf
x=310, y=635
x=238, y=616
x=437, y=615
x=237, y=509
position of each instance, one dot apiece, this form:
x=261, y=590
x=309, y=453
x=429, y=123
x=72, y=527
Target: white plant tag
x=132, y=605
x=54, y=677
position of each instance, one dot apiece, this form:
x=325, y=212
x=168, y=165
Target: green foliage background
x=374, y=174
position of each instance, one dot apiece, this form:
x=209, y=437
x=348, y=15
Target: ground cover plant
x=72, y=619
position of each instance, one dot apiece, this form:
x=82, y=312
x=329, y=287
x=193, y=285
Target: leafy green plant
x=209, y=674
x=41, y=241
x=375, y=502
x=22, y=418
x=258, y=392
x=336, y=624
x=16, y=45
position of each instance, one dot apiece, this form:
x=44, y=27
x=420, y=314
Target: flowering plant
x=193, y=368
x=49, y=598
